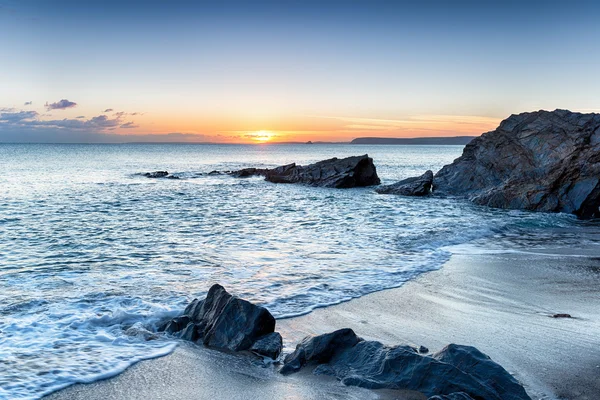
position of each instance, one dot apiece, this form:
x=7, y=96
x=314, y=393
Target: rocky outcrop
x=226, y=322
x=542, y=161
x=418, y=186
x=454, y=371
x=335, y=173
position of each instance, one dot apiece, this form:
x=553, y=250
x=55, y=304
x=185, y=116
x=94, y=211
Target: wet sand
x=500, y=303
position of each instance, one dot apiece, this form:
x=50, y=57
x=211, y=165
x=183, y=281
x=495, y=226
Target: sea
x=93, y=255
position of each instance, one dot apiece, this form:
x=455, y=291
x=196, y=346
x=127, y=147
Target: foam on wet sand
x=501, y=303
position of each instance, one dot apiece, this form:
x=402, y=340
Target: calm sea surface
x=93, y=255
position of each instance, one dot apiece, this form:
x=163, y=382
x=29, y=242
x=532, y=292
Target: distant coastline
x=454, y=140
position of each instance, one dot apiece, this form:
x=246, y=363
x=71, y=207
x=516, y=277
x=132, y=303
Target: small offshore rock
x=269, y=345
x=561, y=316
x=156, y=174
x=417, y=186
x=423, y=350
x=247, y=172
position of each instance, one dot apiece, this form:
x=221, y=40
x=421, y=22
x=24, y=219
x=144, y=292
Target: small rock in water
x=418, y=186
x=156, y=174
x=561, y=316
x=423, y=350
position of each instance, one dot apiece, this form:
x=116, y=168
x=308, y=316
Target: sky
x=277, y=71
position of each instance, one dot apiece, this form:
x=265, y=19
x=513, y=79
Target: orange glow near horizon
x=181, y=126
x=262, y=136
x=238, y=129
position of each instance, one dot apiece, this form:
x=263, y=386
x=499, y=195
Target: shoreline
x=499, y=302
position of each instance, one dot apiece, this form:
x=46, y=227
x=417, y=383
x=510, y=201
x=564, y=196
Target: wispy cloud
x=28, y=103
x=61, y=105
x=129, y=125
x=9, y=116
x=108, y=110
x=123, y=113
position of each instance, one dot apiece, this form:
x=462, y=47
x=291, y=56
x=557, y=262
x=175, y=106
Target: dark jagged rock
x=370, y=364
x=417, y=186
x=222, y=321
x=423, y=350
x=319, y=349
x=542, y=161
x=269, y=345
x=175, y=325
x=473, y=362
x=156, y=174
x=247, y=172
x=335, y=173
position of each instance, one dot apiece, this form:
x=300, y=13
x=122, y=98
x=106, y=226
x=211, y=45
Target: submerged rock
x=246, y=172
x=454, y=371
x=335, y=173
x=159, y=174
x=156, y=174
x=224, y=321
x=561, y=316
x=542, y=161
x=417, y=186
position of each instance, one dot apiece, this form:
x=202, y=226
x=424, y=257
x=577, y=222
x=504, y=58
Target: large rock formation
x=418, y=186
x=455, y=371
x=543, y=161
x=226, y=322
x=335, y=173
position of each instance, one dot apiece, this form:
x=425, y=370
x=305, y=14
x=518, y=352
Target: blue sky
x=297, y=70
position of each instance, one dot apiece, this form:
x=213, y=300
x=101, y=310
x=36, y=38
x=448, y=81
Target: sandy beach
x=501, y=303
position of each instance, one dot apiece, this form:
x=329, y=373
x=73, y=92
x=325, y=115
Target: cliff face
x=543, y=161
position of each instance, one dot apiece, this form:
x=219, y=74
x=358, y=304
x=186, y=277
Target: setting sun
x=262, y=136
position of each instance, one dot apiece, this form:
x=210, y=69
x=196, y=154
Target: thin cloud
x=9, y=117
x=28, y=103
x=120, y=114
x=108, y=110
x=129, y=125
x=61, y=105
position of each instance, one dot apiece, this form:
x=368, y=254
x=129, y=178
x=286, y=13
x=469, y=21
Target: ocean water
x=93, y=255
